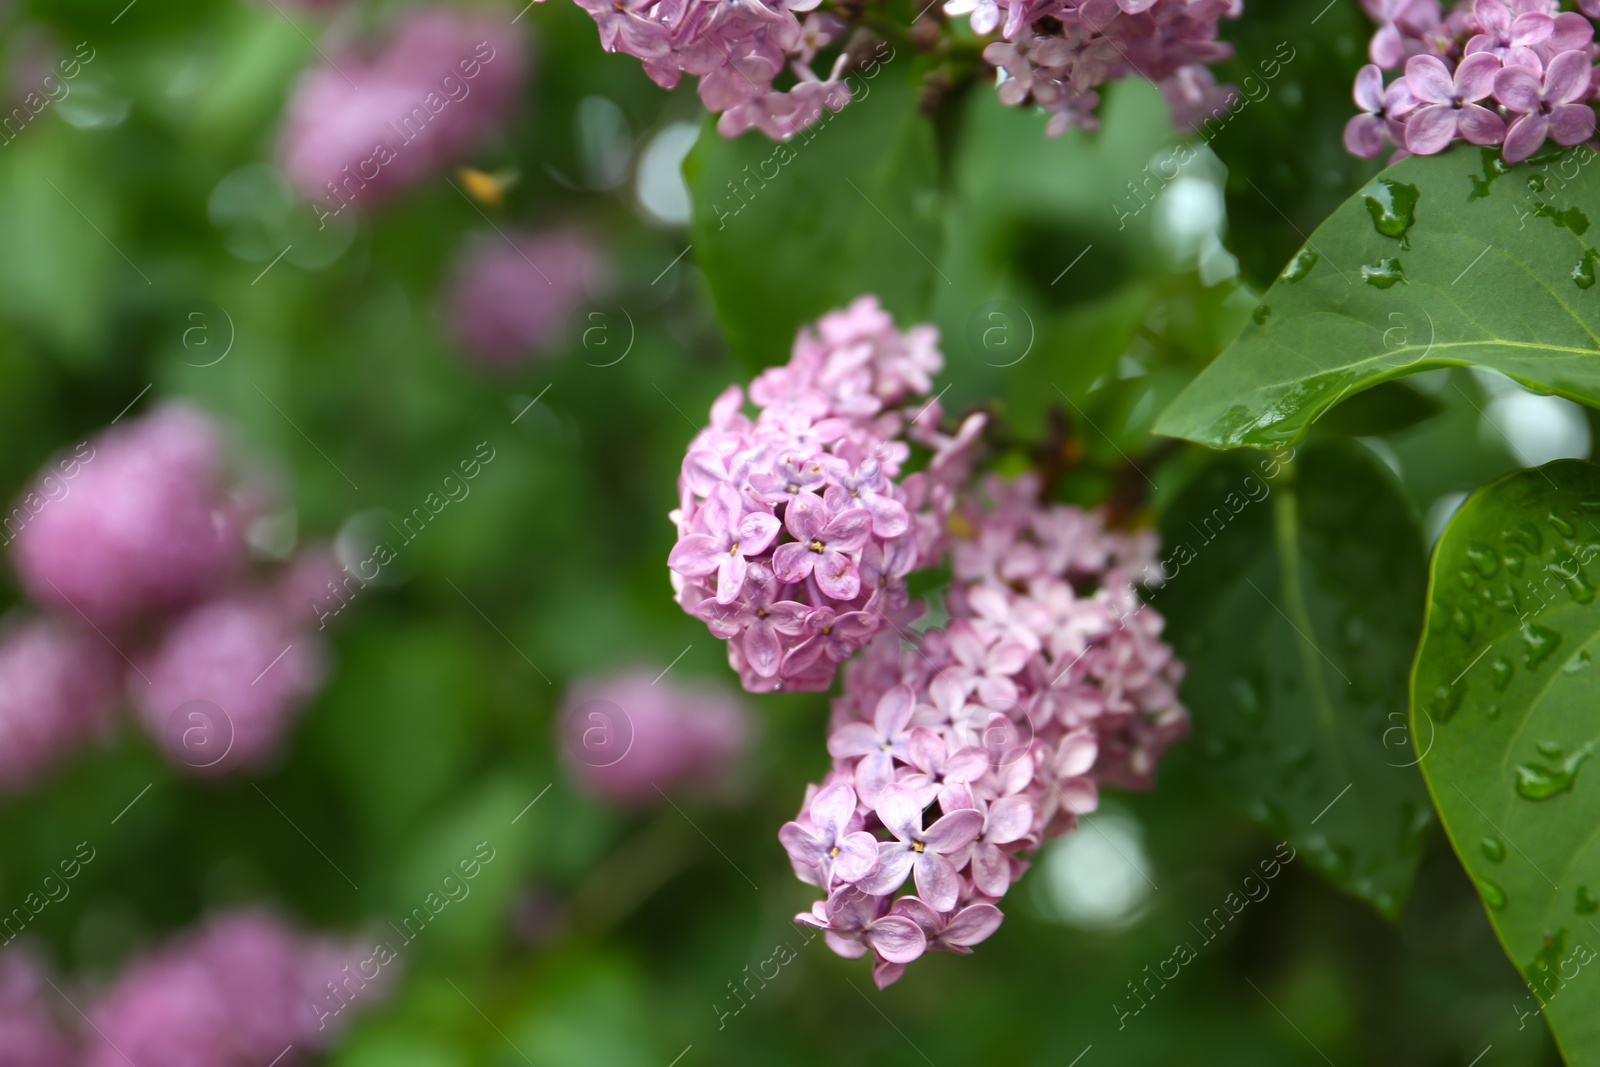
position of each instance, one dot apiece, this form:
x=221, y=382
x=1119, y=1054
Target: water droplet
x=1393, y=207
x=1570, y=219
x=1300, y=265
x=1542, y=642
x=1587, y=904
x=1483, y=558
x=1543, y=973
x=1468, y=579
x=1550, y=749
x=1493, y=848
x=1446, y=699
x=1538, y=781
x=1438, y=619
x=1583, y=273
x=1261, y=314
x=1526, y=535
x=1492, y=711
x=1562, y=526
x=1500, y=672
x=1492, y=894
x=1536, y=182
x=1577, y=663
x=1513, y=561
x=1463, y=623
x=1385, y=274
x=1494, y=166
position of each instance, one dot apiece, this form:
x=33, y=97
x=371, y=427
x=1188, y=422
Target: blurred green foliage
x=598, y=936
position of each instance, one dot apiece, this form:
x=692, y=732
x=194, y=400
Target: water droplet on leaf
x=1493, y=848
x=1385, y=274
x=1500, y=672
x=1538, y=781
x=1483, y=558
x=1542, y=643
x=1300, y=265
x=1587, y=904
x=1261, y=314
x=1393, y=207
x=1492, y=894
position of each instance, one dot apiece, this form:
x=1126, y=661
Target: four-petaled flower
x=728, y=537
x=1007, y=822
x=855, y=922
x=1450, y=105
x=924, y=853
x=760, y=616
x=834, y=846
x=1552, y=107
x=823, y=546
x=878, y=743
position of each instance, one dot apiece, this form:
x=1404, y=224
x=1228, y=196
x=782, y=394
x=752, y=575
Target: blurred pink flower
x=371, y=123
x=250, y=659
x=141, y=524
x=238, y=990
x=626, y=737
x=29, y=1034
x=509, y=298
x=58, y=688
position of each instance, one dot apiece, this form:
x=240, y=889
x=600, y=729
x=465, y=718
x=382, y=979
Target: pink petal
x=901, y=814
x=1369, y=88
x=1077, y=753
x=852, y=739
x=1525, y=137
x=722, y=511
x=1387, y=49
x=1010, y=819
x=966, y=765
x=894, y=710
x=730, y=577
x=972, y=924
x=897, y=939
x=926, y=750
x=858, y=854
x=805, y=516
x=873, y=775
x=1518, y=89
x=832, y=808
x=848, y=530
x=937, y=882
x=991, y=870
x=1480, y=125
x=838, y=576
x=792, y=562
x=1531, y=29
x=761, y=649
x=889, y=518
x=894, y=864
x=1475, y=76
x=915, y=909
x=1429, y=79
x=788, y=617
x=884, y=973
x=1431, y=129
x=1572, y=124
x=952, y=833
x=756, y=532
x=802, y=845
x=696, y=556
x=1363, y=136
x=1567, y=78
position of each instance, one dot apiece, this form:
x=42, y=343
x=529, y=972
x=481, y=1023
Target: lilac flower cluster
x=635, y=736
x=510, y=296
x=1056, y=53
x=241, y=989
x=139, y=567
x=795, y=528
x=389, y=115
x=738, y=50
x=1489, y=72
x=957, y=755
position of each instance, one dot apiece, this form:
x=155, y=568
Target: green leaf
x=1490, y=272
x=785, y=232
x=1294, y=592
x=1503, y=710
x=1386, y=408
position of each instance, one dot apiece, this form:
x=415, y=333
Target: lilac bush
x=957, y=750
x=1488, y=72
